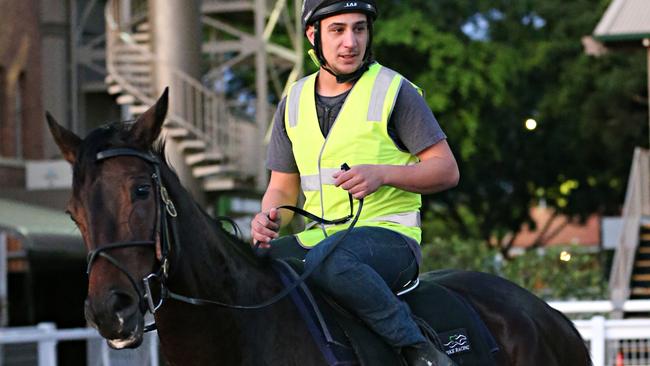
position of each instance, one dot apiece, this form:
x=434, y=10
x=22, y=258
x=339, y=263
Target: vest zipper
x=322, y=150
x=326, y=120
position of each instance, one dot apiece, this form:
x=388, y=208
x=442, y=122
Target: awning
x=43, y=232
x=624, y=20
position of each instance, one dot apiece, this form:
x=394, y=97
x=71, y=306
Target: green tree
x=486, y=67
x=552, y=273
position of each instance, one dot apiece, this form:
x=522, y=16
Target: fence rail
x=612, y=342
x=47, y=336
x=600, y=306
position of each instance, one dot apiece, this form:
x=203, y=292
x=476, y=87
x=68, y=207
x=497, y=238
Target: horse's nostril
x=121, y=301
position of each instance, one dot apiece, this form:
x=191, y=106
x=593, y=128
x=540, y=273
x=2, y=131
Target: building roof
x=624, y=20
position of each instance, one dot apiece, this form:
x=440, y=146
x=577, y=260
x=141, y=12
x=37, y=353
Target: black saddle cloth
x=443, y=315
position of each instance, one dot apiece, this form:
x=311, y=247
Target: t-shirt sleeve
x=413, y=122
x=279, y=156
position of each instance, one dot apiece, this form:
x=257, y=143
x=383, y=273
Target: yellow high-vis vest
x=359, y=136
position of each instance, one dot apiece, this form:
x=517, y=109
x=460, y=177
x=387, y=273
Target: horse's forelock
x=112, y=135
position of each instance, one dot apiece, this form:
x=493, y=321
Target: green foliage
x=525, y=61
x=541, y=271
x=544, y=273
x=470, y=255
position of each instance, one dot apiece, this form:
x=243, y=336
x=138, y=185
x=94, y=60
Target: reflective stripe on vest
x=358, y=136
x=310, y=183
x=375, y=108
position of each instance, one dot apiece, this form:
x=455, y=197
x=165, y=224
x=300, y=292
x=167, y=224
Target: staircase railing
x=192, y=106
x=637, y=205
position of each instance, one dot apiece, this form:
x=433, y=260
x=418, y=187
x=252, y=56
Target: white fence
x=46, y=337
x=613, y=342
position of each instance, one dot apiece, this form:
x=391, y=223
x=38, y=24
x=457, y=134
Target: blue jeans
x=362, y=274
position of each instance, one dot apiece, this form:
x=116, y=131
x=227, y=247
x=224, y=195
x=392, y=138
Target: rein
x=166, y=228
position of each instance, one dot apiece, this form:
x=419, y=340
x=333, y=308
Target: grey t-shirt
x=412, y=126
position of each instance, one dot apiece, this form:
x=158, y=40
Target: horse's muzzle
x=117, y=318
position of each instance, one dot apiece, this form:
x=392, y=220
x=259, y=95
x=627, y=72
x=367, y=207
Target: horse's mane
x=235, y=240
x=117, y=134
x=220, y=223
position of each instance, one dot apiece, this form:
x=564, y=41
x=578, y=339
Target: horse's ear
x=147, y=127
x=67, y=141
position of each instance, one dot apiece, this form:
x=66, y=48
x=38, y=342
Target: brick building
x=51, y=59
x=21, y=109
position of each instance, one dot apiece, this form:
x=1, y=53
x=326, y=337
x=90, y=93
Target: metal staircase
x=630, y=276
x=640, y=284
x=216, y=140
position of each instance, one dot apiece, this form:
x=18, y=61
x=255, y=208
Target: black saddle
x=445, y=317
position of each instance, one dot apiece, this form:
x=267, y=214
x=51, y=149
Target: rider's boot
x=426, y=354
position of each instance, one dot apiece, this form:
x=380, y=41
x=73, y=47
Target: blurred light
x=565, y=256
x=567, y=186
x=531, y=124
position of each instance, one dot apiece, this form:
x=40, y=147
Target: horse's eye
x=142, y=191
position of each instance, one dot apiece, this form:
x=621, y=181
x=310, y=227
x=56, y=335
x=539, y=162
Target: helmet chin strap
x=318, y=58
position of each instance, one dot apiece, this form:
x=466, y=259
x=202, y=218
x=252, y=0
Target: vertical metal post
x=47, y=348
x=105, y=354
x=646, y=44
x=125, y=14
x=597, y=342
x=300, y=45
x=74, y=82
x=178, y=52
x=153, y=349
x=4, y=303
x=261, y=79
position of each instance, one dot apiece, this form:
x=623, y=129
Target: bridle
x=165, y=228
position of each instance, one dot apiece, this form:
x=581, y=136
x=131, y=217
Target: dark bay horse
x=122, y=192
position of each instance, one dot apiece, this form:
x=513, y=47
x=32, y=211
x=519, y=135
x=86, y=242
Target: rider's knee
x=334, y=269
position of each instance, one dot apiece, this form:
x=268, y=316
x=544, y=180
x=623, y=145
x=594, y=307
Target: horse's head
x=115, y=205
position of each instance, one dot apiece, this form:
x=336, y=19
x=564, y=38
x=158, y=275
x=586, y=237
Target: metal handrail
x=193, y=106
x=636, y=206
x=599, y=306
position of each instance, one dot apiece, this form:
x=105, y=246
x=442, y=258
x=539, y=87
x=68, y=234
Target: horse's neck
x=207, y=262
x=208, y=266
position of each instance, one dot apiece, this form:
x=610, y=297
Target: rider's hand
x=265, y=227
x=360, y=180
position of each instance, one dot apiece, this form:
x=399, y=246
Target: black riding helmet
x=313, y=11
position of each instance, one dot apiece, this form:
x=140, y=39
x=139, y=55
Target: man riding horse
x=356, y=112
